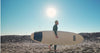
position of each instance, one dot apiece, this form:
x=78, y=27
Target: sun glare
x=51, y=12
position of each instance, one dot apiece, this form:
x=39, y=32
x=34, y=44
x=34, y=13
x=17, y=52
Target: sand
x=85, y=47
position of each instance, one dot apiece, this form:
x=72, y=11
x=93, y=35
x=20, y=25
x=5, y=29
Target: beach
x=23, y=44
x=85, y=47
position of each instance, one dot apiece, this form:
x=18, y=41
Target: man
x=55, y=28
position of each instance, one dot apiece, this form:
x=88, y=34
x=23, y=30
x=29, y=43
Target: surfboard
x=64, y=38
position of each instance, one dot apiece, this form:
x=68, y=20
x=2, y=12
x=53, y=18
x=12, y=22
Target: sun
x=51, y=12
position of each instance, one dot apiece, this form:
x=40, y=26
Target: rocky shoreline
x=23, y=44
x=84, y=47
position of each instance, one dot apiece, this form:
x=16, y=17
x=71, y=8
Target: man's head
x=56, y=22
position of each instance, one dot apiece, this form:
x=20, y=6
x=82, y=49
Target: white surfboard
x=64, y=38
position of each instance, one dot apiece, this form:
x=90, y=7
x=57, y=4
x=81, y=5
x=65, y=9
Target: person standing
x=55, y=29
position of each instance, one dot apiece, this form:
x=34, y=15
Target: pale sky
x=28, y=16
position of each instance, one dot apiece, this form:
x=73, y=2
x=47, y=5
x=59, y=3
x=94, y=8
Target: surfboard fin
x=74, y=38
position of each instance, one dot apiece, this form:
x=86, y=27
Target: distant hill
x=15, y=38
x=97, y=34
x=91, y=36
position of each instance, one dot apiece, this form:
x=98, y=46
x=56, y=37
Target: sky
x=28, y=16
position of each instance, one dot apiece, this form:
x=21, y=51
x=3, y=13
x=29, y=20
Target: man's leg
x=50, y=46
x=55, y=46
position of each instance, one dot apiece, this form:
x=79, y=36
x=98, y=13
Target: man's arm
x=55, y=30
x=55, y=33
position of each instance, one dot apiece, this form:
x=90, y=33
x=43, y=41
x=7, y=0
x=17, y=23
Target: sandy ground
x=85, y=47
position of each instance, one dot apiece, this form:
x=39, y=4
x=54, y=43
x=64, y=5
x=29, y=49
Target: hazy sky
x=27, y=16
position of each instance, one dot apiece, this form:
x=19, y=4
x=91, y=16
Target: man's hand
x=56, y=36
